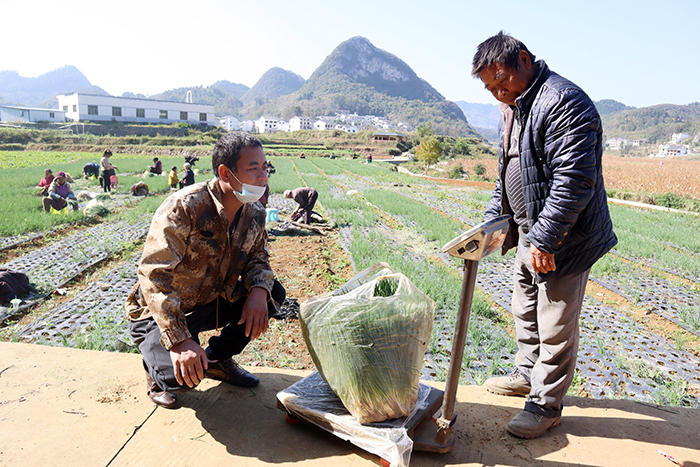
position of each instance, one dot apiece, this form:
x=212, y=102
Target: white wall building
x=617, y=143
x=320, y=125
x=11, y=113
x=282, y=125
x=80, y=107
x=297, y=123
x=247, y=125
x=266, y=124
x=678, y=137
x=230, y=123
x=672, y=150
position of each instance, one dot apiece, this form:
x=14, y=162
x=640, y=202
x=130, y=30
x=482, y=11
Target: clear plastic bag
x=312, y=399
x=370, y=348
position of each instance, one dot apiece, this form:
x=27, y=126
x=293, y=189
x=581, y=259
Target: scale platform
x=312, y=399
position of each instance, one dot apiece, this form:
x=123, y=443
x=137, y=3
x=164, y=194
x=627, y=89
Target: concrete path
x=67, y=407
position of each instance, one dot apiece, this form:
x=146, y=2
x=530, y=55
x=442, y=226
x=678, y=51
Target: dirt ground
x=307, y=265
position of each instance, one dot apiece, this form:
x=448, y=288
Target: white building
x=320, y=125
x=672, y=150
x=80, y=107
x=300, y=123
x=247, y=125
x=617, y=143
x=678, y=137
x=282, y=125
x=266, y=124
x=11, y=113
x=230, y=123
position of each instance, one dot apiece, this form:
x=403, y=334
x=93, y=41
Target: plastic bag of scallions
x=368, y=340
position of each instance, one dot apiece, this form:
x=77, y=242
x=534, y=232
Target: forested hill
x=275, y=82
x=656, y=123
x=30, y=92
x=358, y=77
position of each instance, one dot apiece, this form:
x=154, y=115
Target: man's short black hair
x=228, y=149
x=501, y=48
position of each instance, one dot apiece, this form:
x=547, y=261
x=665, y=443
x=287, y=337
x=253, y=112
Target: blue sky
x=640, y=53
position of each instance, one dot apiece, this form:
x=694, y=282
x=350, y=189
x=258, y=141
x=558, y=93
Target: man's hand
x=254, y=313
x=542, y=262
x=189, y=362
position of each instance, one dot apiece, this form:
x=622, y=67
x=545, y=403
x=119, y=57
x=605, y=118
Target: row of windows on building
x=140, y=113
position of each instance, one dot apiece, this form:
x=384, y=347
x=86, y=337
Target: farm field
x=640, y=328
x=679, y=176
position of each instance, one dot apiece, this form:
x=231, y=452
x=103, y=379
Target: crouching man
x=205, y=266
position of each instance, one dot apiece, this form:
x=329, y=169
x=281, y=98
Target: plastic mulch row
x=50, y=267
x=658, y=295
x=101, y=300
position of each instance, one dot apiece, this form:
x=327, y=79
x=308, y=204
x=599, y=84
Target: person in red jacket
x=45, y=182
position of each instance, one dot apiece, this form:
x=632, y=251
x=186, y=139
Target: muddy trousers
x=231, y=341
x=547, y=332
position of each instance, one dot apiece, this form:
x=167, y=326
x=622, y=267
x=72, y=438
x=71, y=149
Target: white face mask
x=250, y=193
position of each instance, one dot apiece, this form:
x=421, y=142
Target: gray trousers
x=547, y=331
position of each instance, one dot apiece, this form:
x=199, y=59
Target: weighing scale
x=311, y=399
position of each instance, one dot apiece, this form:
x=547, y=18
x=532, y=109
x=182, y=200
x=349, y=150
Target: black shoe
x=229, y=372
x=159, y=397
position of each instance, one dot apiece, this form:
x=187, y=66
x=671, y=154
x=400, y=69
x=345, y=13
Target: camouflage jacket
x=189, y=259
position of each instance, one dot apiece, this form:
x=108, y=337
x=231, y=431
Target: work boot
x=514, y=384
x=229, y=372
x=158, y=396
x=531, y=425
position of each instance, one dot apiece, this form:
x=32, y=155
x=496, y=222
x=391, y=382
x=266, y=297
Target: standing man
x=551, y=183
x=205, y=266
x=306, y=199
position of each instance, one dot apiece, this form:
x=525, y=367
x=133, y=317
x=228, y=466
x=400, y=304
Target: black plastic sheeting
x=50, y=267
x=616, y=358
x=101, y=300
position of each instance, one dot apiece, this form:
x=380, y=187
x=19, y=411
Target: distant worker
x=157, y=167
x=172, y=177
x=551, y=183
x=369, y=158
x=332, y=156
x=190, y=159
x=107, y=170
x=59, y=194
x=306, y=198
x=188, y=179
x=139, y=189
x=91, y=170
x=45, y=182
x=302, y=156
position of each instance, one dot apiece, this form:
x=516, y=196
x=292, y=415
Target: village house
x=384, y=136
x=230, y=123
x=615, y=144
x=672, y=150
x=11, y=113
x=266, y=124
x=81, y=107
x=678, y=137
x=297, y=123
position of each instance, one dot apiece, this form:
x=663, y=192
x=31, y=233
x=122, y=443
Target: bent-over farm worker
x=551, y=183
x=306, y=199
x=205, y=266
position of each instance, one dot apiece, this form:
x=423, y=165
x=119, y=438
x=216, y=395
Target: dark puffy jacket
x=561, y=149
